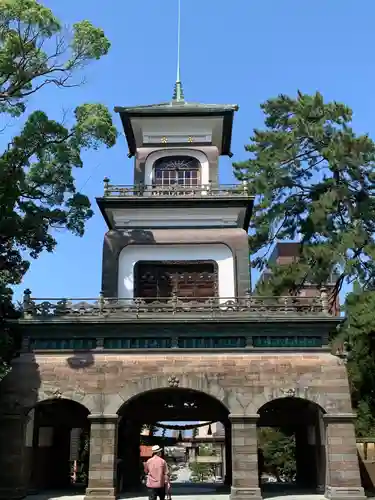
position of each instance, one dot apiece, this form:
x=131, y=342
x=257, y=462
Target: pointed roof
x=178, y=107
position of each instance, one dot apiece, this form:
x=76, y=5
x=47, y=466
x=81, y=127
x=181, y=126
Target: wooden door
x=162, y=280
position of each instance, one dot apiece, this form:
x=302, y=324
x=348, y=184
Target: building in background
x=286, y=253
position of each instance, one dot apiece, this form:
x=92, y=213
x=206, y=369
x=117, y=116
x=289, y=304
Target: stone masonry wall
x=242, y=382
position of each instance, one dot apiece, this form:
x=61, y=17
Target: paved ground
x=189, y=492
x=183, y=475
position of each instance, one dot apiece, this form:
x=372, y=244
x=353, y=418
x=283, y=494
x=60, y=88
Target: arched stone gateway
x=303, y=422
x=135, y=389
x=56, y=439
x=241, y=385
x=165, y=404
x=46, y=444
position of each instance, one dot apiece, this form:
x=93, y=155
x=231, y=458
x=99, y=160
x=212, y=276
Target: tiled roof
x=145, y=451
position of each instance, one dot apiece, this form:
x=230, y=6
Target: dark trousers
x=154, y=493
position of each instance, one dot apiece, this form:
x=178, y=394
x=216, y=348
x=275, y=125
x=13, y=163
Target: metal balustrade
x=175, y=190
x=177, y=307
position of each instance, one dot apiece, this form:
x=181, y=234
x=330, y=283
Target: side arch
x=80, y=397
x=278, y=393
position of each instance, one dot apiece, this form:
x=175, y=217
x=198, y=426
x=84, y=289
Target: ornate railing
x=173, y=306
x=139, y=190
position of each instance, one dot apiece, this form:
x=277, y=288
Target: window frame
x=158, y=172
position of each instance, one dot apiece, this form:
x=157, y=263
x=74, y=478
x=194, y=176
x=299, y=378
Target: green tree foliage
x=37, y=185
x=313, y=179
x=202, y=471
x=359, y=334
x=279, y=453
x=313, y=182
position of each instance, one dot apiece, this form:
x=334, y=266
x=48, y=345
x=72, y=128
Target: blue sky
x=242, y=52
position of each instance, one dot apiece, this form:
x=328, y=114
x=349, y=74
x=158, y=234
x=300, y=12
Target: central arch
x=165, y=404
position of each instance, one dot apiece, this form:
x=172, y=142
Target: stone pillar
x=222, y=454
x=343, y=479
x=103, y=451
x=13, y=477
x=245, y=481
x=131, y=476
x=321, y=454
x=228, y=454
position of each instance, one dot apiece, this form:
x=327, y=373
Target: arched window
x=177, y=170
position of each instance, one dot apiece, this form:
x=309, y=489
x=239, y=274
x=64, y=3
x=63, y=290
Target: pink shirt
x=157, y=472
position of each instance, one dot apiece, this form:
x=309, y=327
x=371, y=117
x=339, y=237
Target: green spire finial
x=178, y=94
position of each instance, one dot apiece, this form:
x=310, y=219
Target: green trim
x=238, y=324
x=137, y=343
x=288, y=342
x=62, y=344
x=211, y=342
x=178, y=93
x=196, y=343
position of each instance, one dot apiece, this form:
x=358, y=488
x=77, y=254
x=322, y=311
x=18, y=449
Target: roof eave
x=172, y=108
x=126, y=114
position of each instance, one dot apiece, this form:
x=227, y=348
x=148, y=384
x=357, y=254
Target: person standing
x=157, y=472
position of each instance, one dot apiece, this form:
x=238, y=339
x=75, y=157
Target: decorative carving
x=176, y=163
x=289, y=393
x=213, y=307
x=157, y=279
x=192, y=190
x=57, y=394
x=79, y=392
x=173, y=381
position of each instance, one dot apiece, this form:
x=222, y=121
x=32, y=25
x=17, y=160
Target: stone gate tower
x=176, y=232
x=176, y=330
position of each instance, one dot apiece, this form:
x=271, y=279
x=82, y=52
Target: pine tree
x=313, y=181
x=359, y=335
x=38, y=192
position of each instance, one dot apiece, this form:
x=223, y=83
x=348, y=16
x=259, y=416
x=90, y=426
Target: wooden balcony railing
x=176, y=307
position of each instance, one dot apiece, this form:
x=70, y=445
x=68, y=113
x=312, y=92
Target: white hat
x=156, y=448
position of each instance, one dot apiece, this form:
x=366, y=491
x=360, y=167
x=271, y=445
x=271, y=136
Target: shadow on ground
x=191, y=491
